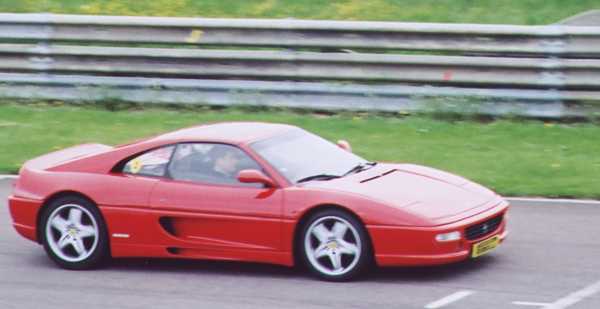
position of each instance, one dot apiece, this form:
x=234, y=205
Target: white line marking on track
x=454, y=297
x=8, y=177
x=552, y=201
x=575, y=297
x=528, y=303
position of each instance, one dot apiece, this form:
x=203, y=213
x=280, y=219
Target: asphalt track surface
x=550, y=260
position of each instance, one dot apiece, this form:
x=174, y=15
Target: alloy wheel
x=72, y=233
x=332, y=246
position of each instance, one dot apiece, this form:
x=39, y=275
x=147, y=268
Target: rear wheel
x=335, y=246
x=74, y=234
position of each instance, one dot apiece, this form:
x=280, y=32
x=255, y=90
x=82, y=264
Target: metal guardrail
x=528, y=66
x=288, y=65
x=291, y=33
x=321, y=96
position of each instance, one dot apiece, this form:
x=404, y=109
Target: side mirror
x=344, y=145
x=255, y=176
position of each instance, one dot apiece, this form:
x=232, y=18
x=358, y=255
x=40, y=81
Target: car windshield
x=299, y=155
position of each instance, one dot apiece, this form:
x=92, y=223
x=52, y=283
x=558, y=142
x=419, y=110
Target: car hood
x=435, y=196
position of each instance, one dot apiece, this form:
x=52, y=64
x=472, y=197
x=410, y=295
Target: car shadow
x=203, y=267
x=258, y=270
x=433, y=273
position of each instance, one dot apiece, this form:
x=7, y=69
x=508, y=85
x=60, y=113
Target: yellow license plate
x=485, y=246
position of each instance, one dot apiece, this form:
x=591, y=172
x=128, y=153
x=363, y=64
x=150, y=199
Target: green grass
x=530, y=158
x=469, y=11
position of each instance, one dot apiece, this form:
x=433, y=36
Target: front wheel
x=335, y=245
x=73, y=233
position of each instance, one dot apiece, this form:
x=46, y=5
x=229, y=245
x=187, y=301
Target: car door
x=205, y=206
x=127, y=213
x=131, y=187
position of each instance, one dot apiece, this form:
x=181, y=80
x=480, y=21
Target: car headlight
x=452, y=236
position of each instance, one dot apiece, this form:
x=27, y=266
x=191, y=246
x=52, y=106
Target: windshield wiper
x=360, y=167
x=356, y=169
x=319, y=176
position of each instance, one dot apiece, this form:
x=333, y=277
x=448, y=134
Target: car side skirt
x=138, y=233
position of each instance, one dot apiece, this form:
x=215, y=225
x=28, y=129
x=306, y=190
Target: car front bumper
x=416, y=246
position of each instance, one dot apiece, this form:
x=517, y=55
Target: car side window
x=151, y=163
x=210, y=163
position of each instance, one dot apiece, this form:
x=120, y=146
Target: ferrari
x=258, y=192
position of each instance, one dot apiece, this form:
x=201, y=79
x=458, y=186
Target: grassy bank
x=513, y=157
x=456, y=11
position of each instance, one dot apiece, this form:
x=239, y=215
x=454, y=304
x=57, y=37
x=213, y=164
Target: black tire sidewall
x=100, y=252
x=365, y=257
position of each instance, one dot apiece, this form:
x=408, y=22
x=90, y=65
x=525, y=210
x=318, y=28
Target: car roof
x=230, y=132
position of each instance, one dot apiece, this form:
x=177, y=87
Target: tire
x=74, y=234
x=335, y=246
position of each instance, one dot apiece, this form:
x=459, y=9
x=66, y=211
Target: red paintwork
x=403, y=206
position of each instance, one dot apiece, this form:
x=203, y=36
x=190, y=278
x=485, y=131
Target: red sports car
x=250, y=192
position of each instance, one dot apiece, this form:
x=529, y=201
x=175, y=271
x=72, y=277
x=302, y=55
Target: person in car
x=225, y=164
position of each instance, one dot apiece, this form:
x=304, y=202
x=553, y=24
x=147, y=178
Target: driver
x=225, y=163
